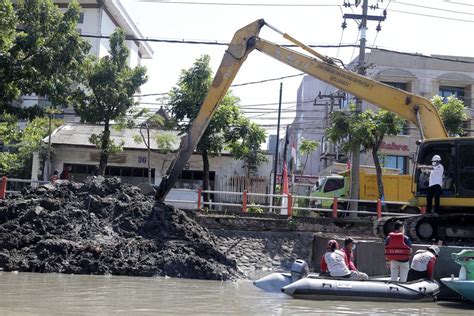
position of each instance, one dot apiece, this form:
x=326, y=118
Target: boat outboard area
x=275, y=281
x=300, y=284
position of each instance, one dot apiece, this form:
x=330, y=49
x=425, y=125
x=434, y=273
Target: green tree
x=368, y=129
x=41, y=52
x=21, y=144
x=245, y=140
x=107, y=94
x=307, y=147
x=185, y=101
x=452, y=112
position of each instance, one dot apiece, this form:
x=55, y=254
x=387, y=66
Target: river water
x=60, y=294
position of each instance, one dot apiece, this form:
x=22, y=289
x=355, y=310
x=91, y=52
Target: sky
x=429, y=27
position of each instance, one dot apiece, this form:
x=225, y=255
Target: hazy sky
x=425, y=26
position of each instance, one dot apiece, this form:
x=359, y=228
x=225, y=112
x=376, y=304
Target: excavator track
x=384, y=225
x=451, y=228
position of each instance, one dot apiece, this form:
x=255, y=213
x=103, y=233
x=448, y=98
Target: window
x=81, y=18
x=398, y=85
x=466, y=169
x=333, y=185
x=396, y=162
x=135, y=176
x=446, y=91
x=192, y=179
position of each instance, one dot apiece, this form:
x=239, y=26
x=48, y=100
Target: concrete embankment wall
x=257, y=253
x=263, y=242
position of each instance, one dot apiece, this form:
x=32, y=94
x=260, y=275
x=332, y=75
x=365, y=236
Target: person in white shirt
x=336, y=263
x=435, y=183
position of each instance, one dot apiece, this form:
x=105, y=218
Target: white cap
x=434, y=249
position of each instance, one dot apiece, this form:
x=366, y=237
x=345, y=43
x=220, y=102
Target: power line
x=459, y=3
x=242, y=4
x=283, y=45
x=431, y=8
x=432, y=16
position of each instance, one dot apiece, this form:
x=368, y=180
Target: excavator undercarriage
x=451, y=228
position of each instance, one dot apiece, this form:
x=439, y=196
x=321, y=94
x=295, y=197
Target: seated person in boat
x=336, y=262
x=423, y=264
x=349, y=246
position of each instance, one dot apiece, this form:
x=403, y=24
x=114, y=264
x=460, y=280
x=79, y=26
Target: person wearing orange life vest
x=397, y=253
x=423, y=264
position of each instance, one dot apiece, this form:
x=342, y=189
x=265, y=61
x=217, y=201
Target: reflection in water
x=81, y=294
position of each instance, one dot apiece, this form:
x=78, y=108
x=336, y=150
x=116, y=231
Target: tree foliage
x=107, y=93
x=186, y=99
x=245, y=140
x=307, y=147
x=368, y=129
x=452, y=112
x=41, y=52
x=21, y=144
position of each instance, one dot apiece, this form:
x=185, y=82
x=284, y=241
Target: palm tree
x=307, y=147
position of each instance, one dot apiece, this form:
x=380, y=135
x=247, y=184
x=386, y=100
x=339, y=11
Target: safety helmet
x=436, y=158
x=434, y=249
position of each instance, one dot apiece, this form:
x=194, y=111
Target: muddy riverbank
x=103, y=226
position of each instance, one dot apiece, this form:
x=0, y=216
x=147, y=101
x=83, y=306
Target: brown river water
x=61, y=294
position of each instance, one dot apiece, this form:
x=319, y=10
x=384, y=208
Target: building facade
x=426, y=76
x=71, y=147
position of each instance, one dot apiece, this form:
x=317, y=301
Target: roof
x=119, y=13
x=123, y=19
x=76, y=134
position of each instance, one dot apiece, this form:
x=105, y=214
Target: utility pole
x=275, y=166
x=339, y=96
x=355, y=150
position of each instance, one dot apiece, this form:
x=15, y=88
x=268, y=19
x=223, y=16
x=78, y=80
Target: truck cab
x=329, y=187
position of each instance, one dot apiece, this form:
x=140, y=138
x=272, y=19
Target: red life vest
x=396, y=248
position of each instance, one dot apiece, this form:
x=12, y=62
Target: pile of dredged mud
x=103, y=226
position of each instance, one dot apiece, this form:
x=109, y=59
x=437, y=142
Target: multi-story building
x=426, y=76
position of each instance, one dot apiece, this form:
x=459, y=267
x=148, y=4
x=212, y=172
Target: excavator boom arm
x=415, y=109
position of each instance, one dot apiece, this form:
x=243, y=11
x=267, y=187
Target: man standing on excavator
x=435, y=183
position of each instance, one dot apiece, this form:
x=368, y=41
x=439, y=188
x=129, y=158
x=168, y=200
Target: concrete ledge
x=273, y=222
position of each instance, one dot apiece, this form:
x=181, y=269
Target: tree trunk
x=104, y=153
x=378, y=170
x=305, y=162
x=205, y=176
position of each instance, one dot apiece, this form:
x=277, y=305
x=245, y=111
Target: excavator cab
x=447, y=151
x=457, y=158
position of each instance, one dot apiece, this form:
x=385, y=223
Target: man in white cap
x=423, y=264
x=435, y=183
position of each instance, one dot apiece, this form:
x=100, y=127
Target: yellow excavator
x=455, y=219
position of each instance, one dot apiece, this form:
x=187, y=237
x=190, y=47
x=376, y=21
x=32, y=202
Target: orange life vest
x=396, y=248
